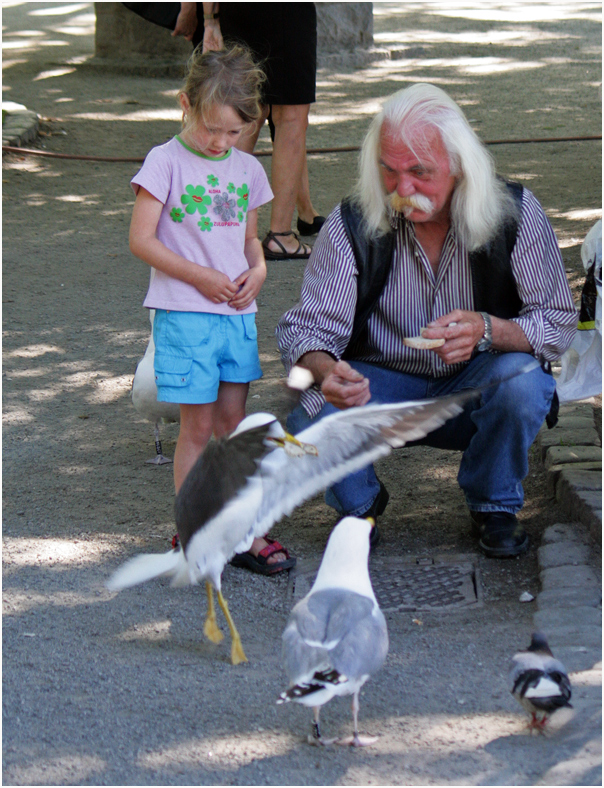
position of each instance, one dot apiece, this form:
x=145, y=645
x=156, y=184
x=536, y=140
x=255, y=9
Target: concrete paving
x=568, y=604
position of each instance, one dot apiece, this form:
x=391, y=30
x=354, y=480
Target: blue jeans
x=495, y=431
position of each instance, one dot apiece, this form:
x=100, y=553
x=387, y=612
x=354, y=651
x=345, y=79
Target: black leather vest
x=493, y=283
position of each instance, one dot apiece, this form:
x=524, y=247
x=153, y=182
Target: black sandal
x=299, y=254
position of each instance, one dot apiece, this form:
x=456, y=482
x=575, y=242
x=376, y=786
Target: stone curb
x=569, y=606
x=572, y=455
x=19, y=125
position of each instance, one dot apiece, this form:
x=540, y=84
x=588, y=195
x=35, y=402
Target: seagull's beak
x=293, y=447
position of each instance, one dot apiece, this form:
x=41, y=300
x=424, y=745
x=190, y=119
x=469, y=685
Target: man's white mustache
x=406, y=205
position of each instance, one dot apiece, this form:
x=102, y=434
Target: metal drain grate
x=431, y=587
x=439, y=583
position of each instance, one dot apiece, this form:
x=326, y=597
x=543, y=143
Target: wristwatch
x=487, y=338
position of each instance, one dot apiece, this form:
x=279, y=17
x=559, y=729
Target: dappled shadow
x=123, y=688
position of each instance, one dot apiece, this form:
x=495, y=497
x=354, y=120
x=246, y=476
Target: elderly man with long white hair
x=433, y=244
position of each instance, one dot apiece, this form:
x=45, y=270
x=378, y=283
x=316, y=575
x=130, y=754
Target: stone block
x=20, y=127
x=567, y=437
x=560, y=532
x=562, y=554
x=554, y=471
x=574, y=635
x=550, y=619
x=575, y=422
x=344, y=26
x=585, y=409
x=577, y=658
x=590, y=508
x=569, y=597
x=581, y=479
x=579, y=500
x=568, y=577
x=565, y=455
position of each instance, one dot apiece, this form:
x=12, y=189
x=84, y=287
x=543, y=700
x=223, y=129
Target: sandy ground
x=123, y=689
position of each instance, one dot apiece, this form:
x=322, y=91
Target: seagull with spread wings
x=241, y=485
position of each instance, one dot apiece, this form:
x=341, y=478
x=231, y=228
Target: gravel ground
x=123, y=689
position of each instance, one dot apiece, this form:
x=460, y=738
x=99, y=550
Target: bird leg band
x=210, y=628
x=237, y=652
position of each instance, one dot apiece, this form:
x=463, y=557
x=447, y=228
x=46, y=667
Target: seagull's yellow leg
x=237, y=652
x=210, y=628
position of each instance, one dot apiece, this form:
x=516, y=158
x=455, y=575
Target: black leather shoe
x=377, y=508
x=500, y=534
x=306, y=228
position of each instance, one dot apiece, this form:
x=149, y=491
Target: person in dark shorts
x=283, y=39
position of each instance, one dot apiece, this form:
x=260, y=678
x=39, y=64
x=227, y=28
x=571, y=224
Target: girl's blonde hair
x=228, y=77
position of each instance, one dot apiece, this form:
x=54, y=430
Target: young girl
x=195, y=223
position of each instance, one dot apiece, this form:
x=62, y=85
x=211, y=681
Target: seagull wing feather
x=346, y=442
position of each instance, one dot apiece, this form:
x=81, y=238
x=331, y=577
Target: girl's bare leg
x=196, y=426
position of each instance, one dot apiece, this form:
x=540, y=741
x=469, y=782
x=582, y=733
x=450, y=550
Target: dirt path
x=105, y=689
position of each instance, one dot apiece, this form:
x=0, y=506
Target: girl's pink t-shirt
x=206, y=202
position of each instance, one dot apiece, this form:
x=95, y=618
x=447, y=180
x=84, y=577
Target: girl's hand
x=249, y=283
x=215, y=285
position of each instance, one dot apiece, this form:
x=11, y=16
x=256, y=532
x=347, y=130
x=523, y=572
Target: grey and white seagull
x=241, y=485
x=336, y=637
x=539, y=682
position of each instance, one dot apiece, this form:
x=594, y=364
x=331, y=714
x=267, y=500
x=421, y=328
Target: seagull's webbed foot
x=316, y=739
x=358, y=741
x=355, y=740
x=211, y=629
x=237, y=652
x=159, y=459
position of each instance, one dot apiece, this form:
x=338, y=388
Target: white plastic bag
x=581, y=373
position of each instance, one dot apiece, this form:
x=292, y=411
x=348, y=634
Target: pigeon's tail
x=146, y=567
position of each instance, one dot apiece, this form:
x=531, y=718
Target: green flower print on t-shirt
x=243, y=193
x=231, y=188
x=240, y=217
x=205, y=224
x=177, y=214
x=212, y=180
x=195, y=199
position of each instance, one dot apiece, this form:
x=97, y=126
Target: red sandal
x=259, y=563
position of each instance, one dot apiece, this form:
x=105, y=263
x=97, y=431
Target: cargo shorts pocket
x=173, y=368
x=250, y=329
x=187, y=329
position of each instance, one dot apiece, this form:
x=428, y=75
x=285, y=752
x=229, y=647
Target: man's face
x=406, y=175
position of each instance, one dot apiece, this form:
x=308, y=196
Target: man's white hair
x=480, y=202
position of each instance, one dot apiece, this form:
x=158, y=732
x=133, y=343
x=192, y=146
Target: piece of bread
x=421, y=343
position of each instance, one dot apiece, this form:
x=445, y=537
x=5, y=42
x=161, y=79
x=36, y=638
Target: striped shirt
x=414, y=296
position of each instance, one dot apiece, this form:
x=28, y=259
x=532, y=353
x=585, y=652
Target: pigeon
x=539, y=682
x=242, y=484
x=144, y=397
x=336, y=637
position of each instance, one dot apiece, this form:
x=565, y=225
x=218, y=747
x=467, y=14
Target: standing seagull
x=336, y=637
x=539, y=682
x=243, y=484
x=144, y=397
